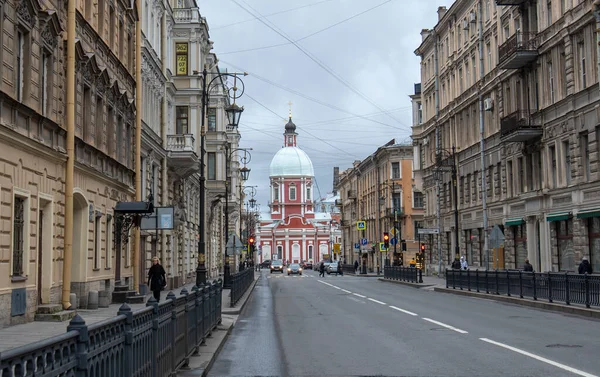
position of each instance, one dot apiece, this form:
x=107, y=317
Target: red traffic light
x=422, y=247
x=386, y=237
x=251, y=240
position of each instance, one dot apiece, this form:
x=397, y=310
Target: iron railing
x=155, y=341
x=520, y=119
x=349, y=269
x=408, y=274
x=240, y=281
x=520, y=41
x=552, y=286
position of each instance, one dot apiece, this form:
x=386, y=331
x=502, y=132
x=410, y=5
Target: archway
x=80, y=232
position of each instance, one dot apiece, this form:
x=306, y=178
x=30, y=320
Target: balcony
x=518, y=51
x=351, y=194
x=518, y=127
x=186, y=15
x=182, y=155
x=391, y=212
x=510, y=2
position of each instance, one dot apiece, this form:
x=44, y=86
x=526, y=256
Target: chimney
x=441, y=12
x=424, y=34
x=336, y=179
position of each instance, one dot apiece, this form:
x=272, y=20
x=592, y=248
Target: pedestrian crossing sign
x=361, y=225
x=382, y=247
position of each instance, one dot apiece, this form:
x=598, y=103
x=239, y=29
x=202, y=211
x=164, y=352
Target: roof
x=292, y=162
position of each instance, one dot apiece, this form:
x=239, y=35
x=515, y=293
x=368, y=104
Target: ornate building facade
x=537, y=84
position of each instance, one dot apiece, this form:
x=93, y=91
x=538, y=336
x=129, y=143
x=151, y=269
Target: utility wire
x=315, y=59
x=305, y=37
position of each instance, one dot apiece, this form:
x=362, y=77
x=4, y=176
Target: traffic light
x=386, y=240
x=422, y=247
x=251, y=243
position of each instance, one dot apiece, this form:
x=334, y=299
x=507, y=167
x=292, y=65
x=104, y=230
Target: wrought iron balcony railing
x=519, y=50
x=519, y=126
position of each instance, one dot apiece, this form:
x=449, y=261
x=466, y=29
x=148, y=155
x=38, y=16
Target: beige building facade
x=380, y=191
x=524, y=73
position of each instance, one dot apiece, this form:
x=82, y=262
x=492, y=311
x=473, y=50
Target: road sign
x=364, y=241
x=361, y=225
x=336, y=248
x=394, y=241
x=382, y=247
x=429, y=231
x=357, y=245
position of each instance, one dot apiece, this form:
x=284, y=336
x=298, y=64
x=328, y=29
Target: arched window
x=308, y=193
x=275, y=192
x=292, y=192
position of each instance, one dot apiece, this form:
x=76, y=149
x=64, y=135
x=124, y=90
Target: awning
x=560, y=216
x=587, y=213
x=515, y=221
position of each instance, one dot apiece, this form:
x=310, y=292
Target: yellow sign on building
x=336, y=248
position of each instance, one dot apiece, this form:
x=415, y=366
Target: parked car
x=294, y=268
x=307, y=265
x=266, y=263
x=333, y=268
x=277, y=266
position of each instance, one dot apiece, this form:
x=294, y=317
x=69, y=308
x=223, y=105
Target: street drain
x=564, y=346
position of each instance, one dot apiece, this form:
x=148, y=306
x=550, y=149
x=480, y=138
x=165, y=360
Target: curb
x=409, y=284
x=363, y=276
x=585, y=312
x=217, y=351
x=234, y=310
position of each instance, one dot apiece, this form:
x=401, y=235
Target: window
x=521, y=183
x=567, y=154
x=397, y=202
x=120, y=143
x=20, y=65
x=212, y=119
x=417, y=199
x=488, y=48
x=97, y=238
x=108, y=242
x=110, y=132
x=212, y=165
x=18, y=257
x=563, y=6
x=581, y=55
x=101, y=18
x=89, y=10
x=292, y=192
x=111, y=28
x=467, y=75
x=310, y=251
x=509, y=179
x=552, y=151
x=396, y=170
x=130, y=52
x=46, y=83
x=420, y=113
x=181, y=50
x=181, y=121
x=530, y=169
x=275, y=192
x=585, y=156
x=460, y=81
x=505, y=32
x=154, y=181
x=308, y=193
x=550, y=82
x=417, y=225
x=86, y=113
x=549, y=13
x=486, y=10
x=99, y=122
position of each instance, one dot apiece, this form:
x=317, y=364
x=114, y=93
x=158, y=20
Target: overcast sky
x=348, y=75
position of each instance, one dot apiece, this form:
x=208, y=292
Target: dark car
x=294, y=268
x=307, y=265
x=266, y=263
x=277, y=266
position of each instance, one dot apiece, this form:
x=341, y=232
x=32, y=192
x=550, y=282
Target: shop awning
x=559, y=216
x=515, y=221
x=587, y=213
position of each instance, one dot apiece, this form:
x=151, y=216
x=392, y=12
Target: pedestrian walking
x=322, y=269
x=463, y=263
x=585, y=266
x=412, y=263
x=355, y=266
x=527, y=266
x=156, y=278
x=456, y=264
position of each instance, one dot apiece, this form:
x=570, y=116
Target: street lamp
x=233, y=114
x=397, y=211
x=244, y=172
x=250, y=203
x=446, y=160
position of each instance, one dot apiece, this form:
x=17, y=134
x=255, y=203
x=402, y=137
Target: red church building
x=292, y=231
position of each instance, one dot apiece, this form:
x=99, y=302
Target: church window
x=290, y=139
x=308, y=193
x=275, y=192
x=292, y=192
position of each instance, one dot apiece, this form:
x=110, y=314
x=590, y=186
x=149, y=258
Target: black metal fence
x=552, y=286
x=349, y=269
x=409, y=274
x=154, y=341
x=240, y=282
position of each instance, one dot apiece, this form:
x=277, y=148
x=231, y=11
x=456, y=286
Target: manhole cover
x=564, y=346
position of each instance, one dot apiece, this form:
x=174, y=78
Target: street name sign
x=429, y=231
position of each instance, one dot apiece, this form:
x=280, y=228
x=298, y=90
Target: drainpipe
x=438, y=146
x=138, y=141
x=68, y=253
x=164, y=130
x=482, y=140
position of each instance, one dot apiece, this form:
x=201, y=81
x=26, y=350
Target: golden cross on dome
x=290, y=104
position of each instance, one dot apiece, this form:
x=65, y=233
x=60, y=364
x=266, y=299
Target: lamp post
x=251, y=202
x=233, y=114
x=446, y=160
x=244, y=172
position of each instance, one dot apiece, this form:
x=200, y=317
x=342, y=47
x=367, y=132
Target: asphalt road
x=353, y=326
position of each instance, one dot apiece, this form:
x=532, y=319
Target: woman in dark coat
x=156, y=278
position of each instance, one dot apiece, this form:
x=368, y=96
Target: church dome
x=290, y=127
x=292, y=162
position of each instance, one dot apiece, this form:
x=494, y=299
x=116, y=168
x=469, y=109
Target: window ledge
x=18, y=279
x=107, y=268
x=95, y=269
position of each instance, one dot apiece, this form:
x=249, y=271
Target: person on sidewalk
x=456, y=264
x=585, y=266
x=156, y=278
x=527, y=267
x=412, y=263
x=355, y=266
x=322, y=269
x=463, y=263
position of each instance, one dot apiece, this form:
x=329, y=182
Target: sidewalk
x=31, y=332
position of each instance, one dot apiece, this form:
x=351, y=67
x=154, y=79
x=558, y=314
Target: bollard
x=103, y=299
x=73, y=301
x=92, y=300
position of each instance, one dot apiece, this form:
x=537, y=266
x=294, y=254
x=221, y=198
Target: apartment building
x=380, y=191
x=524, y=73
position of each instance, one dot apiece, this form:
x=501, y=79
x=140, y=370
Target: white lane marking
x=345, y=290
x=379, y=302
x=446, y=326
x=336, y=287
x=355, y=299
x=321, y=281
x=361, y=296
x=543, y=359
x=403, y=311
